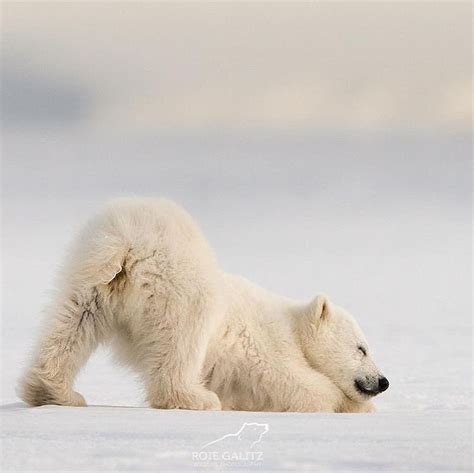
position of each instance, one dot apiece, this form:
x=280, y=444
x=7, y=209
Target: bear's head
x=334, y=344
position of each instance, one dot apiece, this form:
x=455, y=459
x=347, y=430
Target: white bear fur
x=143, y=277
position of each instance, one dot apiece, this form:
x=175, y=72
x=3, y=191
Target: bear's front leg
x=350, y=406
x=315, y=392
x=307, y=391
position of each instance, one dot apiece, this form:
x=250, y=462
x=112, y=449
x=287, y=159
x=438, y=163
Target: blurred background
x=323, y=147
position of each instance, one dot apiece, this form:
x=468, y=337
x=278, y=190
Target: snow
x=122, y=438
x=288, y=213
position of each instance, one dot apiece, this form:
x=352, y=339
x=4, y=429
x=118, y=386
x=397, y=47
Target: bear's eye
x=362, y=349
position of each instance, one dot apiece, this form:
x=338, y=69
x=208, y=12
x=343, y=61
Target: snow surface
x=381, y=226
x=122, y=438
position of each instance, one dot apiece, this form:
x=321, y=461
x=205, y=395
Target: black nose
x=383, y=384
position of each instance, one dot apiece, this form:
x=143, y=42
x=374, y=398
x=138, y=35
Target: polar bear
x=142, y=277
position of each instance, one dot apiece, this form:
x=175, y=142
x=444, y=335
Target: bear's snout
x=383, y=384
x=372, y=386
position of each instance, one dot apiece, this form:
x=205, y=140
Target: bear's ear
x=320, y=308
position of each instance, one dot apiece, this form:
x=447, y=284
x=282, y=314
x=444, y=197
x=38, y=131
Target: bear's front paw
x=358, y=407
x=368, y=407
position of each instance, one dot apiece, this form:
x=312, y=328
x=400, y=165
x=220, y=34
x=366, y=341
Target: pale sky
x=350, y=66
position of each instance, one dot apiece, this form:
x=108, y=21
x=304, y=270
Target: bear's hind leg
x=73, y=332
x=174, y=348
